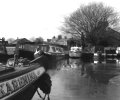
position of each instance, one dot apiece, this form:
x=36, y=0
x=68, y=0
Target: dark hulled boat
x=18, y=81
x=52, y=52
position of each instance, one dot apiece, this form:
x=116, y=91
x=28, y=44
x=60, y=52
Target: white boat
x=75, y=52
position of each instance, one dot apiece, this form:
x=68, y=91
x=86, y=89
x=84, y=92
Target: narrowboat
x=18, y=79
x=110, y=52
x=106, y=52
x=49, y=51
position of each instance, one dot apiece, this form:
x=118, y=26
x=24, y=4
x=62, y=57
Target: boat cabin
x=50, y=48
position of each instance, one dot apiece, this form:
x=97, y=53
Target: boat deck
x=8, y=72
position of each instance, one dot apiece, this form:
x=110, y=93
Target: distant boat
x=110, y=52
x=17, y=81
x=75, y=52
x=106, y=52
x=50, y=51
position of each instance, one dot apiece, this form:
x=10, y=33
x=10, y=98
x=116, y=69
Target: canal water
x=74, y=79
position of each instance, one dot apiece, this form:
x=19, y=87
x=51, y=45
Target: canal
x=74, y=79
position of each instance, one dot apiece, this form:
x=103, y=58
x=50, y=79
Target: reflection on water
x=74, y=79
x=70, y=64
x=44, y=87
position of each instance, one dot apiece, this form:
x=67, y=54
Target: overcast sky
x=34, y=18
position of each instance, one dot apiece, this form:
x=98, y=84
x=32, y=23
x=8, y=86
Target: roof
x=21, y=41
x=114, y=37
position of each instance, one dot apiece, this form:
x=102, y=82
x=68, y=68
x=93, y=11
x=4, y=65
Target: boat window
x=1, y=48
x=57, y=50
x=39, y=48
x=48, y=48
x=61, y=50
x=42, y=48
x=45, y=48
x=53, y=48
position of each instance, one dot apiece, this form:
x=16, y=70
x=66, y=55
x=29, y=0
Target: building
x=59, y=42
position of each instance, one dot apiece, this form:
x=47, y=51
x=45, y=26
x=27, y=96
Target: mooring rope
x=43, y=98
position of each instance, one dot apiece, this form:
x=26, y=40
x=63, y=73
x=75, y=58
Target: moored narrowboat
x=17, y=81
x=49, y=51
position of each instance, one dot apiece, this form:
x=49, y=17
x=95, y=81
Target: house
x=24, y=44
x=62, y=42
x=58, y=41
x=114, y=37
x=21, y=41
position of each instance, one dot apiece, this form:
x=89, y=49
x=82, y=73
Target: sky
x=39, y=18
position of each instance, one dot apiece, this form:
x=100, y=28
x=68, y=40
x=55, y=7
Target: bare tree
x=53, y=37
x=32, y=39
x=59, y=37
x=39, y=40
x=10, y=40
x=91, y=21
